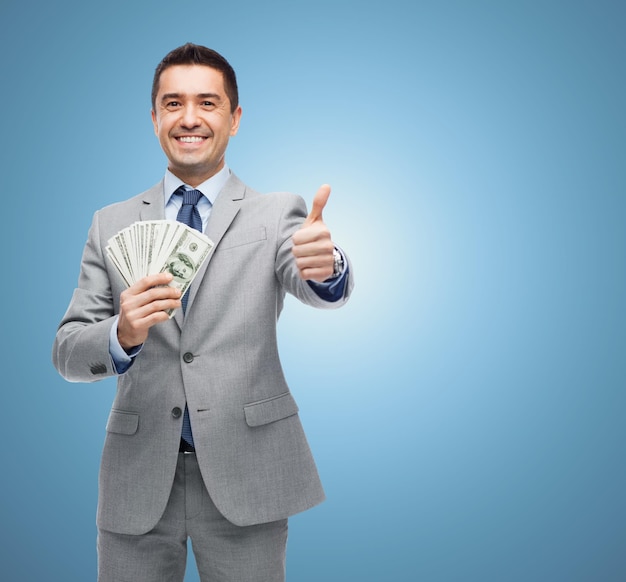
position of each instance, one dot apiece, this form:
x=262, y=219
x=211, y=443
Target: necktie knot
x=188, y=212
x=191, y=196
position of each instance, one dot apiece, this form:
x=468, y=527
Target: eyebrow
x=213, y=96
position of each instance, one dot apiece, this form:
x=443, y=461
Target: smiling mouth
x=190, y=139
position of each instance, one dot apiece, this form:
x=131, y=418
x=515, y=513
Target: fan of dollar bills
x=156, y=246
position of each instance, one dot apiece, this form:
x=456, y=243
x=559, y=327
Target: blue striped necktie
x=188, y=212
x=189, y=215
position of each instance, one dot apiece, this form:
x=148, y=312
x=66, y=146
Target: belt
x=185, y=447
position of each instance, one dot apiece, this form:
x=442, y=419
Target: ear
x=155, y=123
x=235, y=119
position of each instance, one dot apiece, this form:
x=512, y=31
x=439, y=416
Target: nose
x=190, y=117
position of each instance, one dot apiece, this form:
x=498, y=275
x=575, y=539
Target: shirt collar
x=210, y=188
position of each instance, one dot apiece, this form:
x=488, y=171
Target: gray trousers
x=224, y=552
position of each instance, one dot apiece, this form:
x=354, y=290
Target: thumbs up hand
x=312, y=245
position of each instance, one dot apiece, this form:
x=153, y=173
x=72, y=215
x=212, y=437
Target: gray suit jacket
x=222, y=360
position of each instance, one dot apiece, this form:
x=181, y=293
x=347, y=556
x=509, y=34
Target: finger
x=138, y=305
x=150, y=281
x=133, y=327
x=319, y=202
x=311, y=242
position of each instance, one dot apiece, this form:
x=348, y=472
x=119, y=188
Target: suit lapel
x=152, y=203
x=223, y=213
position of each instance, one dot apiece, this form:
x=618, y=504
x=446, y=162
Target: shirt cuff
x=332, y=289
x=119, y=357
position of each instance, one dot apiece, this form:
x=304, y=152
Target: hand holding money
x=147, y=302
x=157, y=260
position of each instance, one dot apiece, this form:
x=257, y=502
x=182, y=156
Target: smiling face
x=193, y=120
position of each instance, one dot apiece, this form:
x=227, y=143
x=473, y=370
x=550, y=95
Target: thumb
x=319, y=202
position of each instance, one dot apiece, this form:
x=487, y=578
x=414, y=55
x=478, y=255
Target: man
x=203, y=440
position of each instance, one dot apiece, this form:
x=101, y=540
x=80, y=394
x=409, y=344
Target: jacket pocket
x=246, y=237
x=270, y=409
x=122, y=422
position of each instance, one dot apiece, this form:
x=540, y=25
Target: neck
x=194, y=179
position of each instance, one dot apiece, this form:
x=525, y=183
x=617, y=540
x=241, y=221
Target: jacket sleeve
x=80, y=351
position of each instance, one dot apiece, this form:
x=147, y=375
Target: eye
x=172, y=104
x=208, y=104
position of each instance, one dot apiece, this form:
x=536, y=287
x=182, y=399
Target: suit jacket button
x=188, y=358
x=176, y=412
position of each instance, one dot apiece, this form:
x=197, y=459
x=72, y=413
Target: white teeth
x=190, y=139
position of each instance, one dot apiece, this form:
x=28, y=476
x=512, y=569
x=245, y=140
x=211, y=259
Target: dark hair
x=194, y=54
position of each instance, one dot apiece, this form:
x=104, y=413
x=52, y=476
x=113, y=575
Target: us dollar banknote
x=159, y=246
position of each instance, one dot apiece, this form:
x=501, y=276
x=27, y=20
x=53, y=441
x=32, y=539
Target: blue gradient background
x=466, y=409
